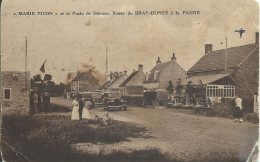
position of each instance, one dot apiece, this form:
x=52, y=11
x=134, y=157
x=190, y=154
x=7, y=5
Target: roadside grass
x=60, y=108
x=222, y=110
x=49, y=137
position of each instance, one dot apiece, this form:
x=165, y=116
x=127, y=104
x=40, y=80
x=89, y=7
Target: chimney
x=158, y=61
x=257, y=38
x=208, y=48
x=125, y=72
x=173, y=59
x=140, y=67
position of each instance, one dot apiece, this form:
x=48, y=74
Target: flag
x=42, y=69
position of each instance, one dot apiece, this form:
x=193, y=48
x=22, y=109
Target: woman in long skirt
x=75, y=110
x=85, y=111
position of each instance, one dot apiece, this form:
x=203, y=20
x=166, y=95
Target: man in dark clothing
x=46, y=102
x=81, y=105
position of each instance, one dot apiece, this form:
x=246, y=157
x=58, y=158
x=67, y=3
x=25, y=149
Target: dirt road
x=185, y=135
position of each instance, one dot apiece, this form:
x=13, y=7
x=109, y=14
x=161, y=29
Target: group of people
x=81, y=109
x=40, y=102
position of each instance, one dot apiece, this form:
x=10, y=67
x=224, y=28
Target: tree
x=179, y=87
x=47, y=77
x=189, y=92
x=170, y=87
x=189, y=89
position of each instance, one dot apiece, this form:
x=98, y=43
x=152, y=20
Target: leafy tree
x=37, y=78
x=179, y=87
x=189, y=89
x=170, y=87
x=47, y=77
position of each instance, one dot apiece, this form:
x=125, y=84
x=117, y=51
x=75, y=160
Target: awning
x=205, y=79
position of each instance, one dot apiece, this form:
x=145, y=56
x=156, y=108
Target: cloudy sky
x=67, y=42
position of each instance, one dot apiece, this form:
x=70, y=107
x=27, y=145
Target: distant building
x=84, y=81
x=116, y=79
x=162, y=73
x=134, y=83
x=224, y=77
x=15, y=92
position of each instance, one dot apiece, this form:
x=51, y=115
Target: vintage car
x=97, y=99
x=156, y=98
x=113, y=100
x=86, y=96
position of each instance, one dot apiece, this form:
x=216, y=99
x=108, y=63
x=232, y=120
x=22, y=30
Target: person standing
x=81, y=105
x=238, y=109
x=46, y=102
x=35, y=103
x=85, y=111
x=75, y=110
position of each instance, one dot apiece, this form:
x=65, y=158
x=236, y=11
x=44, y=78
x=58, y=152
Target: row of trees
x=190, y=89
x=47, y=85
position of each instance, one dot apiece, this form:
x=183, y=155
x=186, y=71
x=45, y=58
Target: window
x=7, y=93
x=227, y=91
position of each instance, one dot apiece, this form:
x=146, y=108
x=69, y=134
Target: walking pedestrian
x=238, y=109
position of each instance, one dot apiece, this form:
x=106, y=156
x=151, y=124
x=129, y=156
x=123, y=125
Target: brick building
x=225, y=73
x=162, y=73
x=15, y=92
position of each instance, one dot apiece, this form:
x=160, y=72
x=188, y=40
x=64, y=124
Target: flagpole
x=106, y=63
x=226, y=56
x=25, y=54
x=226, y=62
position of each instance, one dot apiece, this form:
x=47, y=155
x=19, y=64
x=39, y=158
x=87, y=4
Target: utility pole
x=26, y=73
x=106, y=63
x=226, y=56
x=226, y=62
x=77, y=79
x=25, y=54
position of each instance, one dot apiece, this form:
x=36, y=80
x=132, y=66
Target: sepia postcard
x=129, y=81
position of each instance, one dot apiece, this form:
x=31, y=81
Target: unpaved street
x=179, y=133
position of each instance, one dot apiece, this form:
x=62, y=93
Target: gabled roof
x=83, y=76
x=104, y=85
x=215, y=60
x=110, y=82
x=128, y=79
x=113, y=81
x=160, y=67
x=205, y=79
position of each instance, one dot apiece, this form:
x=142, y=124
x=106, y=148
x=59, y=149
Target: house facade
x=162, y=73
x=15, y=92
x=84, y=81
x=133, y=85
x=228, y=72
x=116, y=79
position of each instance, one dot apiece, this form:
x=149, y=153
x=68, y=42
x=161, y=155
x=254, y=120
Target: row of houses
x=223, y=74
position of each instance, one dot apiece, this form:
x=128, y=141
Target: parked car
x=113, y=100
x=97, y=99
x=156, y=98
x=86, y=96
